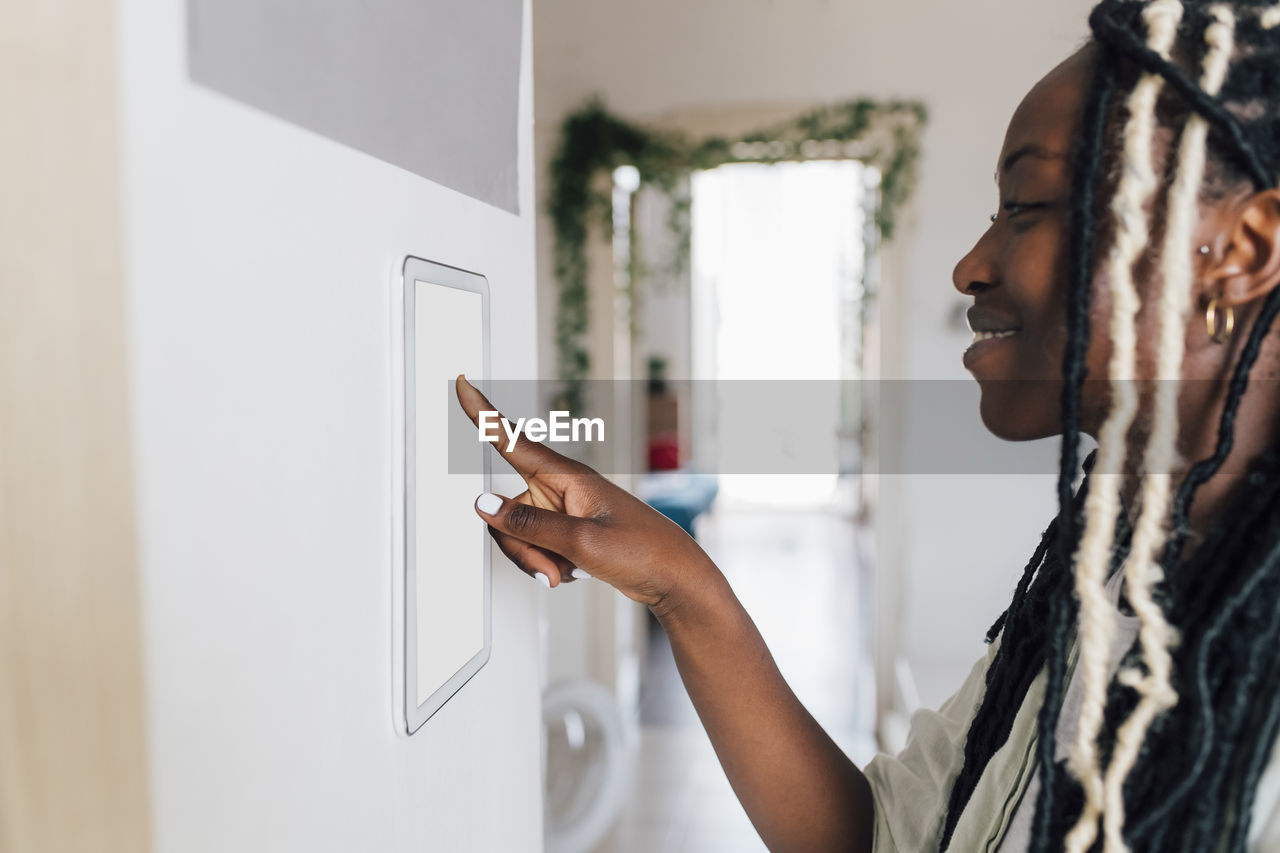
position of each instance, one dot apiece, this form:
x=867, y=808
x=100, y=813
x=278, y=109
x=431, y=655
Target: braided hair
x=1177, y=742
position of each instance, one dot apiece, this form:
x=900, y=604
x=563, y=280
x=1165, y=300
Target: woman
x=1130, y=698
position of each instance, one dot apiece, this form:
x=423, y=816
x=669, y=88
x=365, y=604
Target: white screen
x=450, y=537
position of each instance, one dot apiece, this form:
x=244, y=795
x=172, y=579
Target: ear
x=1247, y=264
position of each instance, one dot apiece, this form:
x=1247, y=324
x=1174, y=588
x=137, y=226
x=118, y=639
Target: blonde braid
x=1143, y=572
x=1097, y=618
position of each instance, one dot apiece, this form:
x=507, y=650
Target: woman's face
x=1017, y=275
x=1017, y=271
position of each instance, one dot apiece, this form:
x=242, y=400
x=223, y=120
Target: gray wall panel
x=399, y=79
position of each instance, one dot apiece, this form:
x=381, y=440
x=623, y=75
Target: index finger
x=527, y=457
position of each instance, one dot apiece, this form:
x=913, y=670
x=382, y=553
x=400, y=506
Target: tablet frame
x=411, y=715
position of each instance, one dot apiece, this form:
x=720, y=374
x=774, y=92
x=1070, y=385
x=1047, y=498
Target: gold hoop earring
x=1219, y=332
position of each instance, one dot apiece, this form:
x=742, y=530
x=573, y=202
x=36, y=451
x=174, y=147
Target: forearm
x=797, y=786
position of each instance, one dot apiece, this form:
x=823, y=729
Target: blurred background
x=205, y=205
x=873, y=590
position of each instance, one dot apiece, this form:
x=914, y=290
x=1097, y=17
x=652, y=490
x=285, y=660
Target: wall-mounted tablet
x=443, y=565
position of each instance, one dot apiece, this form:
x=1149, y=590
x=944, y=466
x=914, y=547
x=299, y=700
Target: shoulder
x=911, y=789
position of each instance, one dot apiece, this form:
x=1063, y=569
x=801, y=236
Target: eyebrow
x=1030, y=150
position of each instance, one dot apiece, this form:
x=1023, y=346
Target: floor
x=799, y=575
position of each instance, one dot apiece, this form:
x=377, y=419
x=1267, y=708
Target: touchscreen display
x=450, y=539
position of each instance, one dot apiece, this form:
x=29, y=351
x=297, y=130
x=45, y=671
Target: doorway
x=778, y=289
x=782, y=257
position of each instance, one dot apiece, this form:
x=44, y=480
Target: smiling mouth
x=987, y=336
x=973, y=352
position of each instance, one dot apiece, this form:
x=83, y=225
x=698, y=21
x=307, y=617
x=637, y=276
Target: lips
x=988, y=327
x=988, y=336
x=986, y=322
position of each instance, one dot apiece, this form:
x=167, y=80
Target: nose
x=976, y=271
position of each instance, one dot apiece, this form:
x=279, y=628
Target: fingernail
x=489, y=503
x=580, y=574
x=543, y=579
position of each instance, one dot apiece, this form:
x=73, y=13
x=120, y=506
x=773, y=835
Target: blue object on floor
x=680, y=495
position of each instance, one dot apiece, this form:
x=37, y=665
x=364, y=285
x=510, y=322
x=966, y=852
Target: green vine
x=594, y=142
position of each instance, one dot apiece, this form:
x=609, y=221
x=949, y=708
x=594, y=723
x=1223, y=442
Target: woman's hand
x=570, y=517
x=800, y=790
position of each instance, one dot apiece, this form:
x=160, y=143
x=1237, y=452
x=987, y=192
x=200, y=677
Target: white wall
x=958, y=543
x=260, y=259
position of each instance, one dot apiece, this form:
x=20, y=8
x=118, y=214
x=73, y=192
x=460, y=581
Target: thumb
x=555, y=531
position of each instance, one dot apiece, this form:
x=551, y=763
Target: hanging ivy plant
x=594, y=142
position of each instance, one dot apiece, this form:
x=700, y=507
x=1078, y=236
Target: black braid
x=1060, y=794
x=1061, y=616
x=1224, y=598
x=1198, y=595
x=1000, y=690
x=1109, y=30
x=1203, y=470
x=1218, y=692
x=1047, y=539
x=1007, y=680
x=1086, y=166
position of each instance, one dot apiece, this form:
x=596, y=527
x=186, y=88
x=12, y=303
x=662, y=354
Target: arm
x=800, y=791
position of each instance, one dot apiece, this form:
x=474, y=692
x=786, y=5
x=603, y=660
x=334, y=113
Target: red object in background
x=664, y=453
x=663, y=431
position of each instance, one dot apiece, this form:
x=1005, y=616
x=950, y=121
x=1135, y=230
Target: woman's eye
x=1016, y=208
x=1013, y=208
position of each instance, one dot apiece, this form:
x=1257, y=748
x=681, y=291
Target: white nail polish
x=489, y=503
x=580, y=574
x=543, y=579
